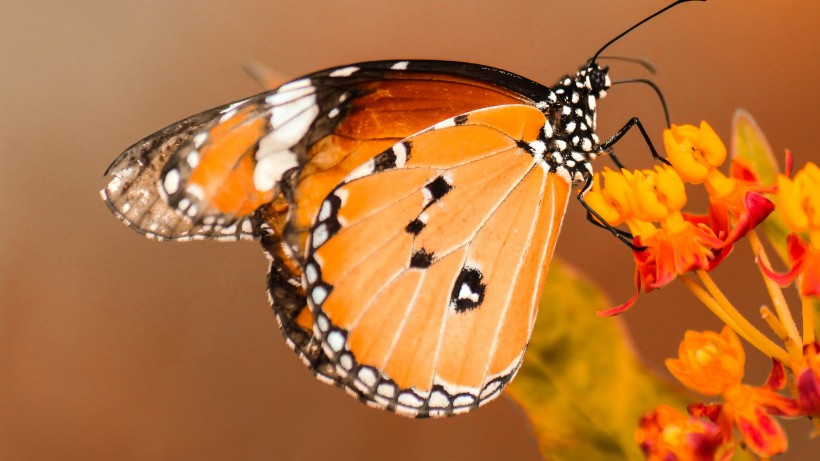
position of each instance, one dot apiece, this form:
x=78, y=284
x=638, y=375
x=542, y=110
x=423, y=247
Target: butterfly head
x=595, y=79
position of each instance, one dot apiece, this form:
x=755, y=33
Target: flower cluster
x=650, y=203
x=672, y=244
x=713, y=364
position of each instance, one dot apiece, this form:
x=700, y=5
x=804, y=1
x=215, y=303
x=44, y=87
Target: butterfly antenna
x=657, y=91
x=674, y=4
x=643, y=62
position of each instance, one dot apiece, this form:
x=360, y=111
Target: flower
x=712, y=364
x=666, y=434
x=799, y=204
x=694, y=152
x=680, y=242
x=808, y=380
x=709, y=362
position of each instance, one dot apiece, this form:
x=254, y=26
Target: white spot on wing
x=323, y=323
x=401, y=154
x=324, y=212
x=335, y=339
x=466, y=293
x=439, y=399
x=346, y=361
x=450, y=122
x=281, y=97
x=401, y=65
x=386, y=390
x=230, y=108
x=364, y=169
x=367, y=376
x=171, y=182
x=290, y=122
x=193, y=158
x=270, y=167
x=344, y=71
x=200, y=138
x=320, y=235
x=294, y=85
x=247, y=227
x=410, y=399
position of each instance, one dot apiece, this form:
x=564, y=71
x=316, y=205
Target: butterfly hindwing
x=424, y=265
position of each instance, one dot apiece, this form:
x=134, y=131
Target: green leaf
x=581, y=385
x=750, y=144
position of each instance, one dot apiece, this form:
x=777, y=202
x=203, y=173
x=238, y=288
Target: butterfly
x=409, y=209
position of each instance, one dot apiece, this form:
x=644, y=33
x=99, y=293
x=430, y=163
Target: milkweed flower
x=666, y=434
x=671, y=242
x=709, y=362
x=712, y=364
x=799, y=204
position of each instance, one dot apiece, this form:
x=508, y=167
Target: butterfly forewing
x=423, y=266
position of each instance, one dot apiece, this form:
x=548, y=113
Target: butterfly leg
x=611, y=153
x=598, y=220
x=634, y=121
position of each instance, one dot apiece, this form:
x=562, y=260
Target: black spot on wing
x=437, y=189
x=394, y=157
x=421, y=259
x=385, y=161
x=468, y=291
x=460, y=119
x=415, y=226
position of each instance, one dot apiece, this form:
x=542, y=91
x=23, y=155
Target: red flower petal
x=777, y=377
x=797, y=250
x=619, y=309
x=756, y=209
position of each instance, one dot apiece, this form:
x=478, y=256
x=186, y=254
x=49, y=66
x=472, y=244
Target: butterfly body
x=409, y=209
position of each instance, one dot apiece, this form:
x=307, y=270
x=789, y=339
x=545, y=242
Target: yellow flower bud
x=649, y=207
x=670, y=188
x=679, y=152
x=714, y=151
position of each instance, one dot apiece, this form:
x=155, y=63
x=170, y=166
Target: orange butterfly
x=409, y=209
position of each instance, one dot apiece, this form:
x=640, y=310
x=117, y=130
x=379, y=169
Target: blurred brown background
x=116, y=347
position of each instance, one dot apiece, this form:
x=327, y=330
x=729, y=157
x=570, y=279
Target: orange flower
x=799, y=204
x=751, y=408
x=709, y=362
x=666, y=434
x=712, y=364
x=695, y=153
x=682, y=243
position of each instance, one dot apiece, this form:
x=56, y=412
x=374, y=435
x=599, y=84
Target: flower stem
x=730, y=316
x=778, y=300
x=808, y=319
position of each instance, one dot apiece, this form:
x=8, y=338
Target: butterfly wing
x=134, y=193
x=425, y=264
x=204, y=177
x=280, y=153
x=377, y=105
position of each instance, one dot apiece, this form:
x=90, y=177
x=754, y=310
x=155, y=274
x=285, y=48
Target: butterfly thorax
x=570, y=106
